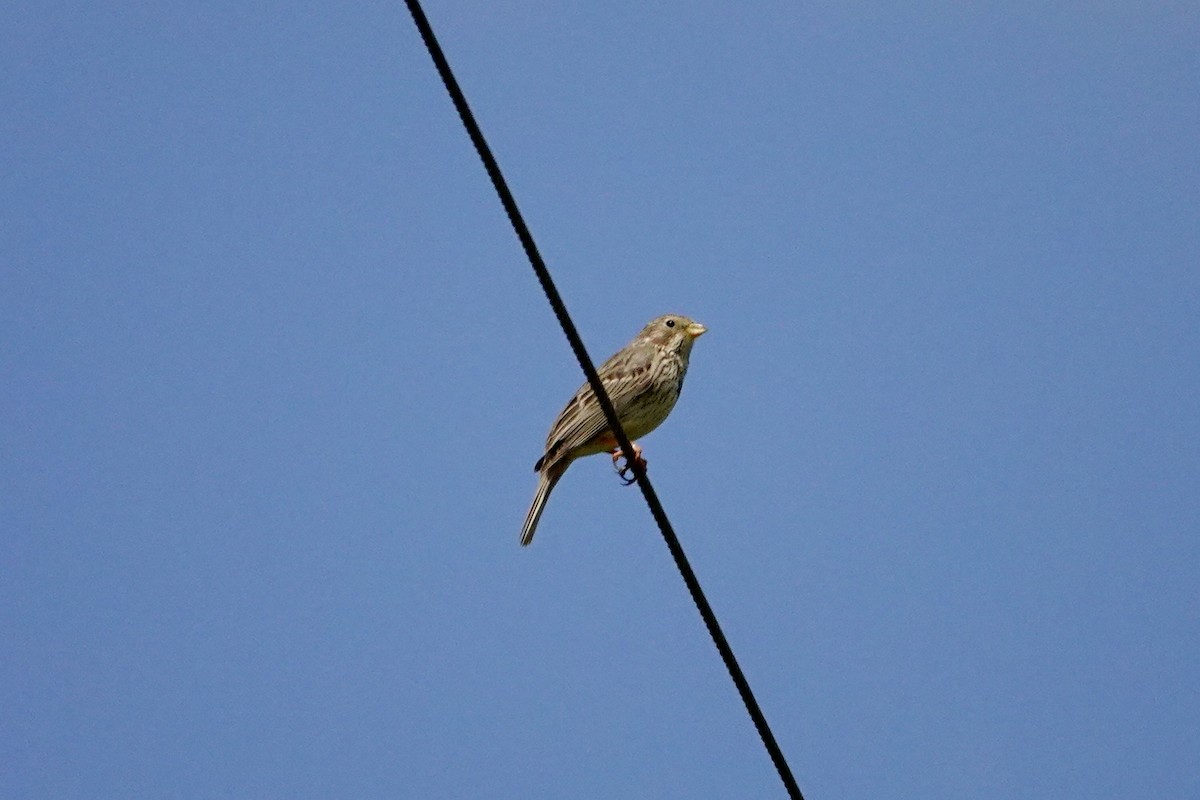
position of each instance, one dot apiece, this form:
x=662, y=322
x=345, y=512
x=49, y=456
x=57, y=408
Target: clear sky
x=274, y=374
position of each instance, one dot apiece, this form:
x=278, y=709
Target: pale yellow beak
x=696, y=329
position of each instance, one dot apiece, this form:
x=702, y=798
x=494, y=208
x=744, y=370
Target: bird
x=643, y=379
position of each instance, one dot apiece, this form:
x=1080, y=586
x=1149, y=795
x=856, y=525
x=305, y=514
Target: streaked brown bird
x=643, y=379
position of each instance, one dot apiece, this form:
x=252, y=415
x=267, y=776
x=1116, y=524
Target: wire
x=610, y=414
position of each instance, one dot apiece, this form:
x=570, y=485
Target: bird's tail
x=546, y=482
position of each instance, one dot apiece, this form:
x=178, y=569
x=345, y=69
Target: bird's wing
x=582, y=419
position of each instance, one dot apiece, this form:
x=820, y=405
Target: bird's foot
x=625, y=471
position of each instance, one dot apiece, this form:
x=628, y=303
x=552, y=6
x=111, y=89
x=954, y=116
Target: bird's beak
x=695, y=330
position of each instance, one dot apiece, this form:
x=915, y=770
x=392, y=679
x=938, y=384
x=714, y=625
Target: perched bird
x=643, y=379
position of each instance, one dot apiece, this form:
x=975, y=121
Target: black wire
x=564, y=319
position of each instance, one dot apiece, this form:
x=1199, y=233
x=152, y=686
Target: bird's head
x=673, y=332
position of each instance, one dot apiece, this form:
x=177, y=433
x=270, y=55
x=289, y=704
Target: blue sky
x=275, y=374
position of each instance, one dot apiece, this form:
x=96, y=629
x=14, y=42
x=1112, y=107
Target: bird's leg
x=624, y=471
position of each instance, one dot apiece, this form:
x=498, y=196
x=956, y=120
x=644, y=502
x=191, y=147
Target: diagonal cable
x=610, y=414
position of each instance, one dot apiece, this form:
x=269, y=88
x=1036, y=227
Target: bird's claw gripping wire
x=625, y=471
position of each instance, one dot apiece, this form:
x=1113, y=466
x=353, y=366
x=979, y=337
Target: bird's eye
x=670, y=323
